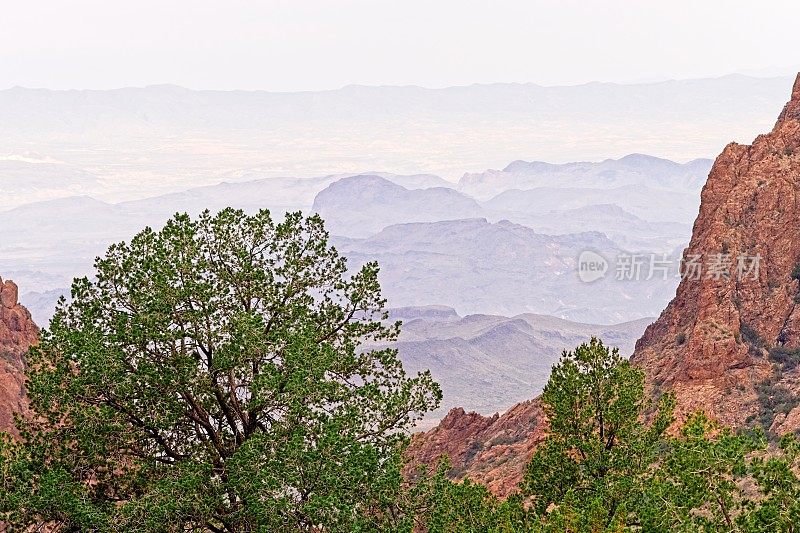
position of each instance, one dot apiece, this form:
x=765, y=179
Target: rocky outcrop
x=490, y=450
x=730, y=344
x=17, y=334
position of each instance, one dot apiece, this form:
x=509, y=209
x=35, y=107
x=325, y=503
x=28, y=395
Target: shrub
x=785, y=357
x=772, y=400
x=503, y=440
x=474, y=449
x=752, y=338
x=796, y=272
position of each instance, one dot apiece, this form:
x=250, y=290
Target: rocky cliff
x=491, y=450
x=729, y=342
x=17, y=333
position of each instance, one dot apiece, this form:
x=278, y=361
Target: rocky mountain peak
x=792, y=109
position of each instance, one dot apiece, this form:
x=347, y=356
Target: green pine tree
x=220, y=374
x=590, y=472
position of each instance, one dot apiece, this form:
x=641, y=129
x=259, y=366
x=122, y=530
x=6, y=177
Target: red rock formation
x=712, y=343
x=491, y=450
x=17, y=334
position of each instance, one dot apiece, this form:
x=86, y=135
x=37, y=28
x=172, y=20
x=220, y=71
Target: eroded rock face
x=17, y=334
x=726, y=344
x=491, y=450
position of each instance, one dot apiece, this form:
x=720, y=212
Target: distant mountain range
x=487, y=363
x=513, y=253
x=635, y=170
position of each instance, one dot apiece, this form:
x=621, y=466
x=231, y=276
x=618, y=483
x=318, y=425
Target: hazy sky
x=317, y=44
